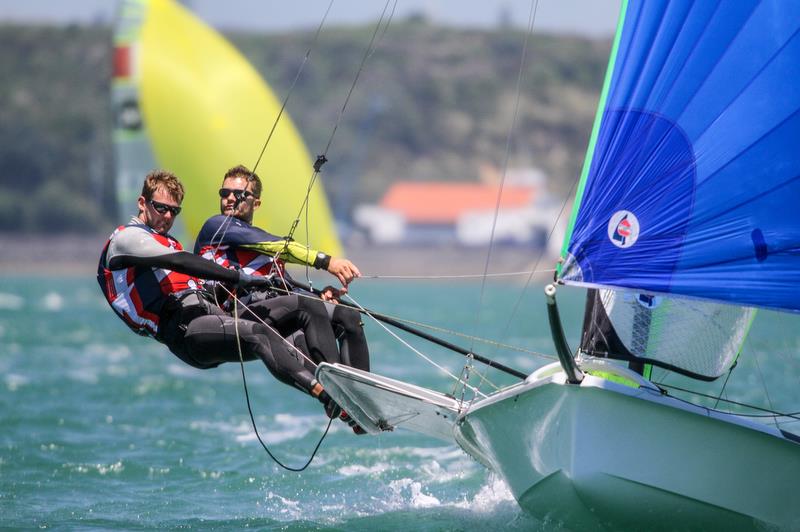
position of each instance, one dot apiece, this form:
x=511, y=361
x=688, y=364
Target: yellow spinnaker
x=206, y=109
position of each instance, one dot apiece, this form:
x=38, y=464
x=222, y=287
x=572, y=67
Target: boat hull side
x=597, y=452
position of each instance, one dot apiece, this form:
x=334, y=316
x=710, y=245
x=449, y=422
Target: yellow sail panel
x=206, y=110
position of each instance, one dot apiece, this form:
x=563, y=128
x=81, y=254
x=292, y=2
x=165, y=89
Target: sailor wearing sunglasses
x=313, y=323
x=158, y=290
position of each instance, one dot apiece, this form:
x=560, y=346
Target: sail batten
x=691, y=187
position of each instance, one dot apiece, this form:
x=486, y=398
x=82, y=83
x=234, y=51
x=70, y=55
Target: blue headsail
x=692, y=183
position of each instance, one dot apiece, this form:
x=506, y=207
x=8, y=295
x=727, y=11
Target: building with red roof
x=452, y=212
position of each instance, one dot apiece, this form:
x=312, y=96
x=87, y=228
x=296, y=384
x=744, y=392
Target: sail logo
x=623, y=229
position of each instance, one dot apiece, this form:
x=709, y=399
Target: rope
x=224, y=227
x=506, y=157
x=250, y=408
x=367, y=54
x=237, y=301
x=322, y=159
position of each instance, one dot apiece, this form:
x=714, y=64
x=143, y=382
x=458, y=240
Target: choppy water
x=102, y=429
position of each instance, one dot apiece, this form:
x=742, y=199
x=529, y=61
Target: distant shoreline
x=69, y=255
x=77, y=255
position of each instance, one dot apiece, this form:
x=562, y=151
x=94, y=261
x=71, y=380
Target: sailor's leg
x=292, y=312
x=211, y=340
x=298, y=340
x=354, y=350
x=210, y=343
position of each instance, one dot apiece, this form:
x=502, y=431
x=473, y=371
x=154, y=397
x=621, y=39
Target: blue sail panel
x=693, y=187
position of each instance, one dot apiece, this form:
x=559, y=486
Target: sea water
x=102, y=429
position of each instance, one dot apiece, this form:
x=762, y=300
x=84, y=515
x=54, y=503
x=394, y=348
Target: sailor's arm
x=136, y=247
x=296, y=253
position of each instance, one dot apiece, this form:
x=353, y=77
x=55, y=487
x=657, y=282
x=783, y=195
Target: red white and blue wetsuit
x=235, y=244
x=156, y=288
x=139, y=292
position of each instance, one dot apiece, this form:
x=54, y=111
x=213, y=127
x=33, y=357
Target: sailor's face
x=230, y=205
x=159, y=212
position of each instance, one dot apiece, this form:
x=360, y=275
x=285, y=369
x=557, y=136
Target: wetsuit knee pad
x=347, y=318
x=312, y=305
x=203, y=342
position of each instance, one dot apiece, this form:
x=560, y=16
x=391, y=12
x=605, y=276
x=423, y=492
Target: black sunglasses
x=239, y=194
x=163, y=208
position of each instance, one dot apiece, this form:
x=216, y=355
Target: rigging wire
x=294, y=82
x=460, y=276
x=322, y=159
x=772, y=413
x=764, y=384
x=529, y=280
x=724, y=385
x=422, y=325
x=228, y=218
x=419, y=353
x=531, y=18
x=506, y=157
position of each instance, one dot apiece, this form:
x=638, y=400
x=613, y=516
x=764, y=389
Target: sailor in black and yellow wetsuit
x=323, y=329
x=229, y=239
x=158, y=290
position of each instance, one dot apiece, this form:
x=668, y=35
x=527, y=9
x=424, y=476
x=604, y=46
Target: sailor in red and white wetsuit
x=157, y=289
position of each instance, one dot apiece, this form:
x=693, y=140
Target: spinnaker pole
x=421, y=334
x=574, y=374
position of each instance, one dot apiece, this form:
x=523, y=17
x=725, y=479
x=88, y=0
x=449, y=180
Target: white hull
x=602, y=453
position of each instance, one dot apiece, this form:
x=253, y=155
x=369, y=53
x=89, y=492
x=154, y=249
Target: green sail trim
x=744, y=338
x=593, y=139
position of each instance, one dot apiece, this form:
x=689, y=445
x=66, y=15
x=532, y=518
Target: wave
x=11, y=301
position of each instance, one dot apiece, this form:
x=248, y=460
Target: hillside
x=431, y=103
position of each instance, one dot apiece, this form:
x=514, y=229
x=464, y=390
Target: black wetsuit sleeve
x=134, y=246
x=180, y=261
